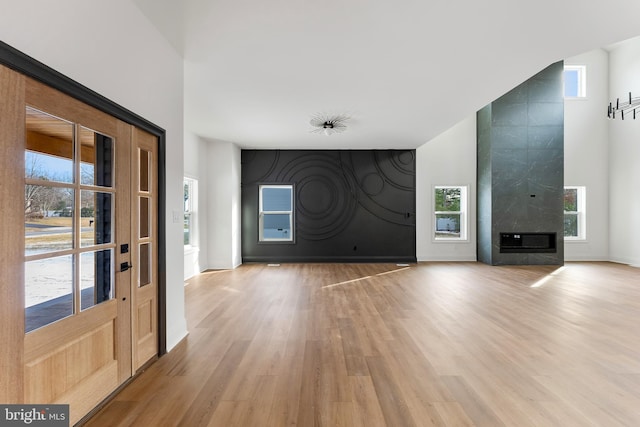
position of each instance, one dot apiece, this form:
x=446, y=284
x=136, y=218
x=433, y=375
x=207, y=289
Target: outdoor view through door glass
x=68, y=212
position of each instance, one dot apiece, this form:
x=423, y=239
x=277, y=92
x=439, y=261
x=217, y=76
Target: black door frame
x=28, y=66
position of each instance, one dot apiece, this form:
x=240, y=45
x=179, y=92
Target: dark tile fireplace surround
x=520, y=140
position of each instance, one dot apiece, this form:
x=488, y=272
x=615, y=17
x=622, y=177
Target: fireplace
x=527, y=243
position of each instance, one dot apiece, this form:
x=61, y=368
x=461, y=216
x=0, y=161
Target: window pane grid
x=574, y=213
x=449, y=215
x=69, y=219
x=276, y=213
x=189, y=211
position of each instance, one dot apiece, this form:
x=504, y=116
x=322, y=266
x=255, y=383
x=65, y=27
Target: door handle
x=125, y=266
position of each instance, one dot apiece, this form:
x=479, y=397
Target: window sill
x=575, y=240
x=450, y=240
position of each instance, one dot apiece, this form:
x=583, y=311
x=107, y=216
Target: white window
x=190, y=205
x=575, y=81
x=450, y=213
x=276, y=213
x=574, y=213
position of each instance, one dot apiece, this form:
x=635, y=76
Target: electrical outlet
x=176, y=216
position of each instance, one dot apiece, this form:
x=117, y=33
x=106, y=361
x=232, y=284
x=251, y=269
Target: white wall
x=586, y=164
x=586, y=159
x=195, y=167
x=223, y=205
x=112, y=48
x=624, y=157
x=448, y=159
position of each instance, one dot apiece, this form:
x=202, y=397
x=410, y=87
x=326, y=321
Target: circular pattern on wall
x=372, y=184
x=316, y=196
x=254, y=172
x=397, y=167
x=386, y=183
x=325, y=195
x=405, y=158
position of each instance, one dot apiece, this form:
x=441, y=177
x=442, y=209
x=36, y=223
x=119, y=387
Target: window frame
x=262, y=213
x=582, y=81
x=580, y=213
x=102, y=243
x=463, y=212
x=190, y=209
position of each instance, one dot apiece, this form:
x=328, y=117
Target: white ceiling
x=405, y=71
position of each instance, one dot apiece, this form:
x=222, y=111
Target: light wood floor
x=434, y=344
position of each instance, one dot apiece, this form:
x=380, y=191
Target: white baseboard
x=448, y=258
x=587, y=258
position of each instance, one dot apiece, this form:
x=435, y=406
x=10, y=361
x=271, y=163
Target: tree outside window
x=574, y=213
x=450, y=212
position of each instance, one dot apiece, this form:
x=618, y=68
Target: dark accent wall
x=350, y=205
x=521, y=169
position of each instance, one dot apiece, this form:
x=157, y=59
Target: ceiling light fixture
x=625, y=107
x=328, y=124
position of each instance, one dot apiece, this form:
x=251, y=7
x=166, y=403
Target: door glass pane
x=96, y=278
x=48, y=219
x=49, y=147
x=144, y=217
x=48, y=291
x=55, y=206
x=96, y=152
x=145, y=264
x=144, y=170
x=96, y=211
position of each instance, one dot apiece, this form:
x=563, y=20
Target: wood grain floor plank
x=367, y=411
x=392, y=400
x=452, y=414
x=223, y=415
x=202, y=408
x=310, y=396
x=374, y=345
x=354, y=355
x=172, y=398
x=256, y=409
x=286, y=401
x=560, y=414
x=121, y=413
x=478, y=410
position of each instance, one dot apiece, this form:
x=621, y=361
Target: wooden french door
x=78, y=276
x=77, y=344
x=144, y=155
